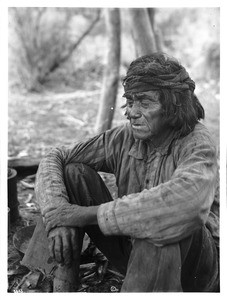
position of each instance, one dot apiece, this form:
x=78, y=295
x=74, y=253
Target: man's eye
x=145, y=103
x=129, y=103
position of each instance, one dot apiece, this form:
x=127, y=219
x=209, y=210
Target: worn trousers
x=190, y=265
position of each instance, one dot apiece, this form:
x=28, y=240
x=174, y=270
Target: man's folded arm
x=50, y=187
x=172, y=210
x=97, y=153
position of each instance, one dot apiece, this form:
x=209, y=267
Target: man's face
x=145, y=114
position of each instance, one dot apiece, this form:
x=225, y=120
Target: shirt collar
x=139, y=148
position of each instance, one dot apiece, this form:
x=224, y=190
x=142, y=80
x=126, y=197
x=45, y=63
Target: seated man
x=161, y=232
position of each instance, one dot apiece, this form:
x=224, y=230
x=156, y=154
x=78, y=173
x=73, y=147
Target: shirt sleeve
x=50, y=188
x=172, y=210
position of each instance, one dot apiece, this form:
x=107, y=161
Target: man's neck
x=160, y=140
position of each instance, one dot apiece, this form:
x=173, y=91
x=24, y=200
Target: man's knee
x=73, y=170
x=200, y=269
x=85, y=186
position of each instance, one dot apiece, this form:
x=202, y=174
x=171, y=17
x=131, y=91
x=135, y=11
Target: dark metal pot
x=12, y=195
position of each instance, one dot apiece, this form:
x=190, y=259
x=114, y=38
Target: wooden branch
x=40, y=13
x=111, y=75
x=151, y=14
x=86, y=32
x=142, y=31
x=87, y=266
x=28, y=185
x=23, y=38
x=74, y=46
x=157, y=33
x=115, y=273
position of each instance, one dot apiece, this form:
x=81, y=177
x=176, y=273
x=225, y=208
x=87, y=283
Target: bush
x=41, y=39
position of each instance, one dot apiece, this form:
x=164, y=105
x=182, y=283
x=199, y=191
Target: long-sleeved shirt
x=164, y=194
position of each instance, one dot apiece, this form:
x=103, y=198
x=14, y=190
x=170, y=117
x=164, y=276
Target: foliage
x=42, y=38
x=192, y=35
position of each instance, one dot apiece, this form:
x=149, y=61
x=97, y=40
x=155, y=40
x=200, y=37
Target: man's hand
x=70, y=215
x=63, y=244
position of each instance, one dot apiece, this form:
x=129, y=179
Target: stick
x=27, y=185
x=89, y=265
x=115, y=273
x=23, y=280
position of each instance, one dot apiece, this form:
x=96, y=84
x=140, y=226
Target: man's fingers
x=74, y=242
x=48, y=226
x=67, y=249
x=58, y=249
x=51, y=247
x=48, y=210
x=48, y=220
x=64, y=244
x=51, y=224
x=50, y=214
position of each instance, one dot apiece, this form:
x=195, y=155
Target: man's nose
x=135, y=112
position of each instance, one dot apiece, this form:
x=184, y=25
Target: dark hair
x=158, y=71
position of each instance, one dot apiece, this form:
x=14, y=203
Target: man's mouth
x=137, y=126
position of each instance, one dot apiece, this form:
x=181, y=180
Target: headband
x=176, y=81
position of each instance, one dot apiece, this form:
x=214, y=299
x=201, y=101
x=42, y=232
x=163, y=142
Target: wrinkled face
x=145, y=114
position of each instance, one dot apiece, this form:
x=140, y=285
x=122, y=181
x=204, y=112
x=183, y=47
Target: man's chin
x=141, y=135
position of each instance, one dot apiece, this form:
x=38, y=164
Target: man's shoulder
x=200, y=135
x=119, y=139
x=120, y=132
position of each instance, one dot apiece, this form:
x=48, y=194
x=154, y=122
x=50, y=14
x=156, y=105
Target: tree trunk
x=142, y=31
x=157, y=34
x=111, y=75
x=151, y=15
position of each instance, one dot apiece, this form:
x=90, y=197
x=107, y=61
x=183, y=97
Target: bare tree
x=26, y=25
x=65, y=56
x=44, y=44
x=111, y=74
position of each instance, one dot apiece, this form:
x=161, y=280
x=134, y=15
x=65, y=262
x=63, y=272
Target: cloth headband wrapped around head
x=153, y=76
